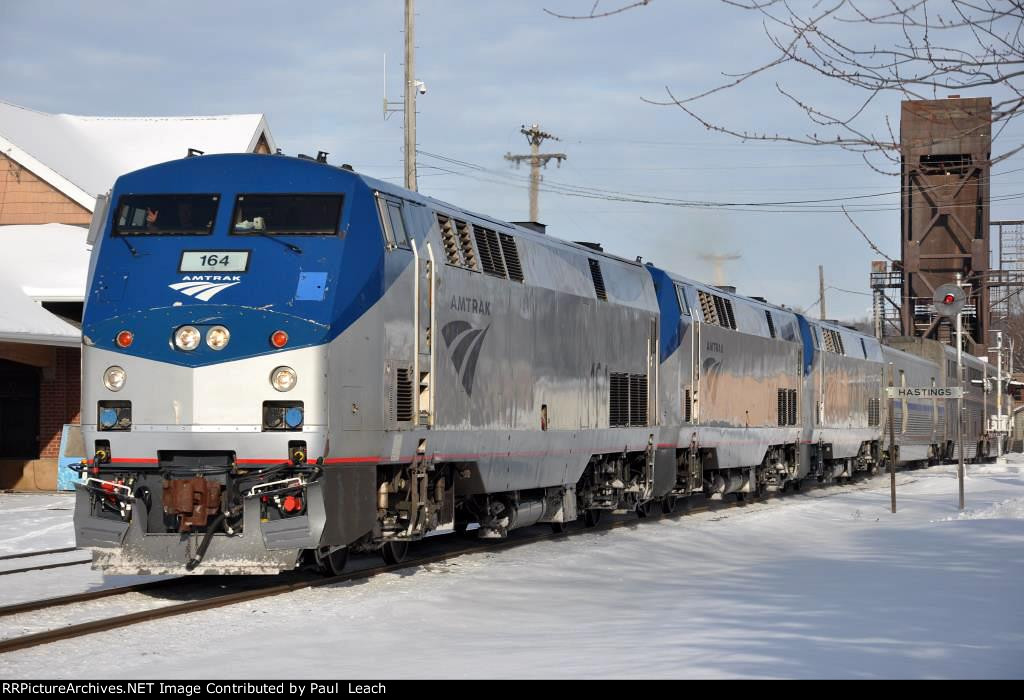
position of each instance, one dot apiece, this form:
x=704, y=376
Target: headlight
x=283, y=378
x=114, y=378
x=187, y=338
x=217, y=337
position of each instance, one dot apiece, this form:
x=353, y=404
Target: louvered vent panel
x=792, y=406
x=508, y=246
x=783, y=406
x=707, y=305
x=687, y=406
x=771, y=323
x=727, y=303
x=450, y=240
x=403, y=395
x=638, y=399
x=496, y=256
x=595, y=274
x=466, y=244
x=618, y=408
x=874, y=416
x=486, y=260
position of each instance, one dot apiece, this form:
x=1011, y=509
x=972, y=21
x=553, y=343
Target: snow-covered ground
x=827, y=583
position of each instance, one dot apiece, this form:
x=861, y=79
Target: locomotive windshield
x=166, y=214
x=287, y=214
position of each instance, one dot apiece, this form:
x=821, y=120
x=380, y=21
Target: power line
x=823, y=205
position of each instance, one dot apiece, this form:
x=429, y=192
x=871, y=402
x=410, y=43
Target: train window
x=166, y=214
x=392, y=222
x=684, y=305
x=287, y=214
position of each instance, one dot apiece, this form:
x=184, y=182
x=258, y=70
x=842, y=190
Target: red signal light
x=279, y=339
x=125, y=338
x=948, y=299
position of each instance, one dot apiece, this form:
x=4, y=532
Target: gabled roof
x=82, y=156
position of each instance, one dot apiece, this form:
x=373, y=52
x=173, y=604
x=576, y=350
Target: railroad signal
x=949, y=300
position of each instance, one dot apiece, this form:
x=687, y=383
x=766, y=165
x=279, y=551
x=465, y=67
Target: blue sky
x=316, y=69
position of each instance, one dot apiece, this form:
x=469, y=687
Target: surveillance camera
x=421, y=87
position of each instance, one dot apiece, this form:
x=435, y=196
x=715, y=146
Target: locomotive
x=286, y=361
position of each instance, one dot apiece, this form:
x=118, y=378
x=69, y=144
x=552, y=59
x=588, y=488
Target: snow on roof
x=82, y=156
x=49, y=262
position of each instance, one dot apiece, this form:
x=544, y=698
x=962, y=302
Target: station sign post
x=901, y=393
x=949, y=300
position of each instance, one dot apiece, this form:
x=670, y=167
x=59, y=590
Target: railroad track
x=42, y=567
x=306, y=581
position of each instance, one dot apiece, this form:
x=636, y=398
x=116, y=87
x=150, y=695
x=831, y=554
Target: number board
x=214, y=261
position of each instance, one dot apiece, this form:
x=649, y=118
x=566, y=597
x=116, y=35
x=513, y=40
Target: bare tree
x=931, y=48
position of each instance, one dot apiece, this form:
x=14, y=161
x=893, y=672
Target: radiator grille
x=490, y=251
x=627, y=399
x=638, y=399
x=508, y=247
x=595, y=274
x=403, y=395
x=786, y=399
x=874, y=412
x=618, y=408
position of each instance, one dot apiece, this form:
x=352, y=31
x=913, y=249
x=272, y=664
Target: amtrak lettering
x=471, y=305
x=464, y=343
x=715, y=347
x=211, y=278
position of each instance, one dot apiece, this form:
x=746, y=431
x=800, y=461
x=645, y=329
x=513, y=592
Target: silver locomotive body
x=448, y=370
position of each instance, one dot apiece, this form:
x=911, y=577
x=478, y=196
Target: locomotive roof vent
x=760, y=299
x=321, y=156
x=533, y=226
x=593, y=246
x=729, y=289
x=347, y=166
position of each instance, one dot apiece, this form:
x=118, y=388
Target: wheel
x=643, y=509
x=332, y=563
x=668, y=506
x=796, y=485
x=592, y=517
x=741, y=497
x=394, y=552
x=559, y=528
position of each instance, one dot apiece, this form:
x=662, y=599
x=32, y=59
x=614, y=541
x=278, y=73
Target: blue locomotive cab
x=216, y=285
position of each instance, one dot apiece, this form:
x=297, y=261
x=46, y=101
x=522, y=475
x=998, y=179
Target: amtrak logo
x=464, y=343
x=204, y=287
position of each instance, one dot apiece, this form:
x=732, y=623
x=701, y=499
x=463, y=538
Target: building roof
x=49, y=262
x=82, y=156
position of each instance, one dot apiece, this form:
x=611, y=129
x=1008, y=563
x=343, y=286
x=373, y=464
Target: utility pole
x=821, y=292
x=535, y=137
x=410, y=99
x=408, y=103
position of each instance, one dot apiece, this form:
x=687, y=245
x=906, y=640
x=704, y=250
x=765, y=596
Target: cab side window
x=392, y=222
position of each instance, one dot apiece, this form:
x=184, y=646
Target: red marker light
x=279, y=339
x=948, y=299
x=125, y=338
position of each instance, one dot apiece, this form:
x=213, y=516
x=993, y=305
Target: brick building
x=52, y=168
